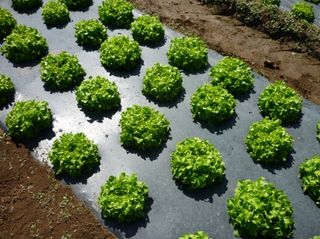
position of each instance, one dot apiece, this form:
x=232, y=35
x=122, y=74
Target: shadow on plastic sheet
x=117, y=28
x=28, y=64
x=244, y=97
x=57, y=26
x=203, y=70
x=27, y=11
x=32, y=144
x=218, y=128
x=280, y=166
x=89, y=48
x=313, y=199
x=171, y=104
x=8, y=104
x=83, y=179
x=129, y=229
x=98, y=116
x=82, y=9
x=296, y=124
x=52, y=90
x=155, y=45
x=205, y=194
x=150, y=154
x=127, y=73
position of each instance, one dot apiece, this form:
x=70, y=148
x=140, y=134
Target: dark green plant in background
x=7, y=89
x=7, y=23
x=196, y=235
x=303, y=10
x=61, y=71
x=98, y=94
x=143, y=128
x=188, y=53
x=24, y=44
x=55, y=12
x=268, y=142
x=162, y=82
x=120, y=53
x=74, y=154
x=26, y=5
x=90, y=33
x=123, y=198
x=197, y=163
x=279, y=101
x=116, y=13
x=213, y=104
x=259, y=210
x=232, y=74
x=28, y=118
x=309, y=172
x=147, y=29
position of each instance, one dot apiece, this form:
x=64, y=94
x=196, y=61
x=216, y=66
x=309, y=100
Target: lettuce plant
x=143, y=128
x=258, y=209
x=24, y=44
x=116, y=13
x=98, y=93
x=74, y=154
x=197, y=235
x=268, y=142
x=162, y=82
x=77, y=4
x=197, y=163
x=147, y=29
x=28, y=118
x=272, y=2
x=188, y=53
x=55, y=12
x=212, y=103
x=62, y=71
x=232, y=74
x=90, y=33
x=318, y=131
x=7, y=23
x=315, y=237
x=26, y=5
x=123, y=198
x=120, y=53
x=303, y=10
x=7, y=89
x=309, y=172
x=278, y=101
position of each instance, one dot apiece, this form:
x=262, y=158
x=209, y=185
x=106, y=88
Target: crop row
x=258, y=208
x=266, y=16
x=300, y=10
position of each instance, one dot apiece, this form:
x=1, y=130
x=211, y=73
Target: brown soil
x=273, y=59
x=33, y=204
